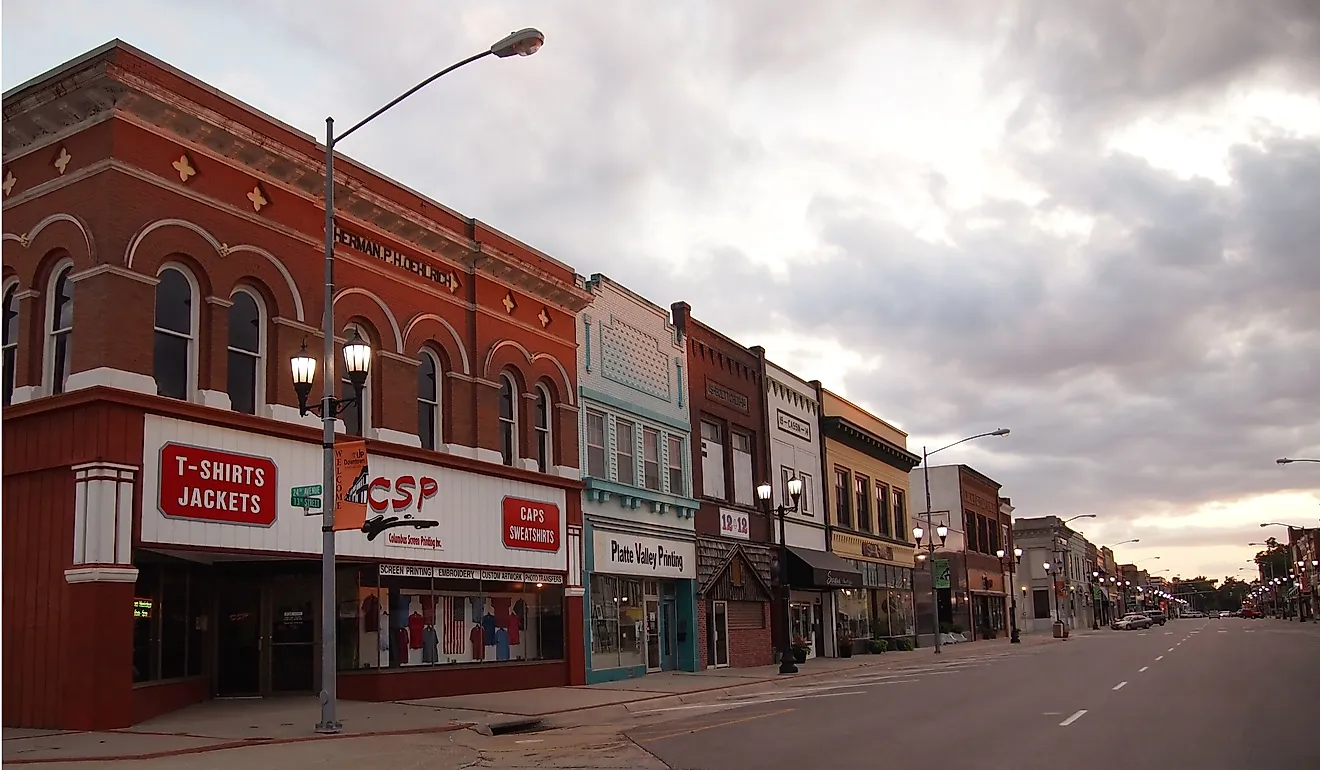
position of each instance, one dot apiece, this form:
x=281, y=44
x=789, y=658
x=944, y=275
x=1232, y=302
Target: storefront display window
x=171, y=615
x=617, y=619
x=853, y=607
x=400, y=621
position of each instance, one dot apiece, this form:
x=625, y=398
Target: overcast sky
x=1097, y=224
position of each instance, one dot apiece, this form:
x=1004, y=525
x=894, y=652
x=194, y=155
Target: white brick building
x=638, y=537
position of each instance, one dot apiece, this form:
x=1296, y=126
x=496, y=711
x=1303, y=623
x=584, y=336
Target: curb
x=227, y=745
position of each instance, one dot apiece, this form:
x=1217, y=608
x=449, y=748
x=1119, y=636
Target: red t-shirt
x=370, y=614
x=478, y=643
x=415, y=631
x=401, y=634
x=513, y=628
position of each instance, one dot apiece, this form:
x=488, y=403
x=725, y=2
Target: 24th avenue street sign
x=306, y=498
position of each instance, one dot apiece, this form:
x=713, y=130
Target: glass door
x=238, y=640
x=719, y=634
x=668, y=634
x=652, y=635
x=293, y=653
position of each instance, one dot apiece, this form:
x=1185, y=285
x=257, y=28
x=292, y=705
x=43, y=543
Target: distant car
x=1194, y=614
x=1131, y=622
x=1250, y=613
x=1225, y=614
x=1156, y=616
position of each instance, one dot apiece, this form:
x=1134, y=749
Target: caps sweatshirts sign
x=641, y=555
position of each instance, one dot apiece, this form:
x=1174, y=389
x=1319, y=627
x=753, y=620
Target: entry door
x=668, y=634
x=652, y=635
x=293, y=652
x=719, y=634
x=238, y=640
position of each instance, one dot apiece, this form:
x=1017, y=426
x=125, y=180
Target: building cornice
x=852, y=435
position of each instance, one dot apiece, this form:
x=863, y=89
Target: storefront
x=457, y=584
x=821, y=607
x=641, y=604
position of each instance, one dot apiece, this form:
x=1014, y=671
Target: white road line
x=1072, y=718
x=1120, y=685
x=739, y=704
x=1160, y=658
x=1168, y=633
x=1142, y=670
x=1170, y=649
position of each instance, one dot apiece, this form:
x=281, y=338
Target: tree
x=1273, y=561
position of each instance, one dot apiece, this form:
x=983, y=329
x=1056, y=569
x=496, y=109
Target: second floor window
x=651, y=458
x=882, y=508
x=544, y=449
x=900, y=514
x=842, y=499
x=808, y=495
x=712, y=461
x=244, y=364
x=172, y=360
x=11, y=342
x=744, y=486
x=61, y=329
x=596, y=445
x=508, y=420
x=676, y=485
x=625, y=452
x=862, y=487
x=428, y=401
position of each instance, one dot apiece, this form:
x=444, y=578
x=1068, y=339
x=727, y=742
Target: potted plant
x=801, y=647
x=877, y=646
x=845, y=643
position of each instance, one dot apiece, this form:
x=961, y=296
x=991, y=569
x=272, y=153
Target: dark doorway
x=238, y=640
x=293, y=653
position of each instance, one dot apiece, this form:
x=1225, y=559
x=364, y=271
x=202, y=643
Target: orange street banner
x=350, y=485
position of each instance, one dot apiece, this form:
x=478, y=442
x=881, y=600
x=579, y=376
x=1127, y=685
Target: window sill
x=175, y=680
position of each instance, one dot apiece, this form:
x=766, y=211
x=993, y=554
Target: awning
x=809, y=568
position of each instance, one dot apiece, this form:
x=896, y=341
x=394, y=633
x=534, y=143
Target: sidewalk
x=230, y=724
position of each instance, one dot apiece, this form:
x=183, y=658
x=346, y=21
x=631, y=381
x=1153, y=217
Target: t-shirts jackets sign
x=653, y=557
x=210, y=486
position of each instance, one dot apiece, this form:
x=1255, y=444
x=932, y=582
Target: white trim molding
x=398, y=437
x=103, y=514
x=101, y=574
x=111, y=378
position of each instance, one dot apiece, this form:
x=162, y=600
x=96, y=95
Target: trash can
x=1060, y=630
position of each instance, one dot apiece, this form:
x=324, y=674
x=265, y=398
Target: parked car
x=1131, y=622
x=1156, y=616
x=1194, y=614
x=1225, y=614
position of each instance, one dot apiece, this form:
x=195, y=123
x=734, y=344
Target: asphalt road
x=1224, y=694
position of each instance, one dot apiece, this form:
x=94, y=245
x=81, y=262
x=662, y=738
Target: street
x=1224, y=694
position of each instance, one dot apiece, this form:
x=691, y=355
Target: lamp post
x=786, y=663
x=942, y=530
x=1014, y=636
x=1053, y=571
x=357, y=356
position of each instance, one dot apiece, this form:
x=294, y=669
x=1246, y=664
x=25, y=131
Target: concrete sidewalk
x=230, y=724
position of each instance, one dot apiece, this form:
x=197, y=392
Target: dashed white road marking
x=1073, y=718
x=1160, y=658
x=1120, y=685
x=1168, y=633
x=1171, y=649
x=740, y=704
x=1142, y=670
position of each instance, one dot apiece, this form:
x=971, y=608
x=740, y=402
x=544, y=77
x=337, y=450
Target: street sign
x=311, y=491
x=305, y=502
x=941, y=573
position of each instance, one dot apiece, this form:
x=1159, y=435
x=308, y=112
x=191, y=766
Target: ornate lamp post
x=1014, y=636
x=787, y=665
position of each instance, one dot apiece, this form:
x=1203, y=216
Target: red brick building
x=726, y=384
x=162, y=264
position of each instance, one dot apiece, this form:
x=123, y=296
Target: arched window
x=174, y=357
x=245, y=353
x=544, y=449
x=60, y=341
x=508, y=419
x=10, y=341
x=357, y=415
x=428, y=401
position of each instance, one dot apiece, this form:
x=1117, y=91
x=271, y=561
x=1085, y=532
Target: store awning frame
x=812, y=569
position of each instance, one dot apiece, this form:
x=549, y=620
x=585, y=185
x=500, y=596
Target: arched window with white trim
x=508, y=419
x=174, y=360
x=429, y=401
x=544, y=447
x=357, y=414
x=59, y=342
x=10, y=341
x=246, y=353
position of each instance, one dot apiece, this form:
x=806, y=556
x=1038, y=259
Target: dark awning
x=809, y=568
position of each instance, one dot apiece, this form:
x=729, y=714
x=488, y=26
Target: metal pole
x=329, y=615
x=1015, y=636
x=930, y=551
x=787, y=665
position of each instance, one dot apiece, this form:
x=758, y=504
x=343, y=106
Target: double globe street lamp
x=1014, y=636
x=357, y=360
x=787, y=664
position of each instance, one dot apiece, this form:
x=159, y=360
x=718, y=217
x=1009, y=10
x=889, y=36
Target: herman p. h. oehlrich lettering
x=642, y=554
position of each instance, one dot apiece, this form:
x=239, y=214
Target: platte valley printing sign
x=641, y=555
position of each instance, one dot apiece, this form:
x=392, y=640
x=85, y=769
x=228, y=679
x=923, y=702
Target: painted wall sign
x=878, y=551
x=735, y=524
x=212, y=485
x=727, y=396
x=531, y=525
x=459, y=573
x=790, y=424
x=365, y=245
x=642, y=555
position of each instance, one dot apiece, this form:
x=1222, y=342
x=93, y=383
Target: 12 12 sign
x=735, y=524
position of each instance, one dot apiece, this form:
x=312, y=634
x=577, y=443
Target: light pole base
x=1015, y=637
x=786, y=663
x=329, y=728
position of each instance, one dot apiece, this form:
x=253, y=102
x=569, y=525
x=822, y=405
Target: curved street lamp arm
x=1000, y=432
x=1287, y=460
x=410, y=92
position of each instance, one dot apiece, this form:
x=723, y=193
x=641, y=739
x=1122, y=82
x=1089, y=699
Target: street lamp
x=1014, y=636
x=763, y=492
x=943, y=531
x=357, y=357
x=1080, y=516
x=1125, y=542
x=1287, y=460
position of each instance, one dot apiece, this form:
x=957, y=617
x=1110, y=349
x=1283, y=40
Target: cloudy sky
x=1097, y=224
